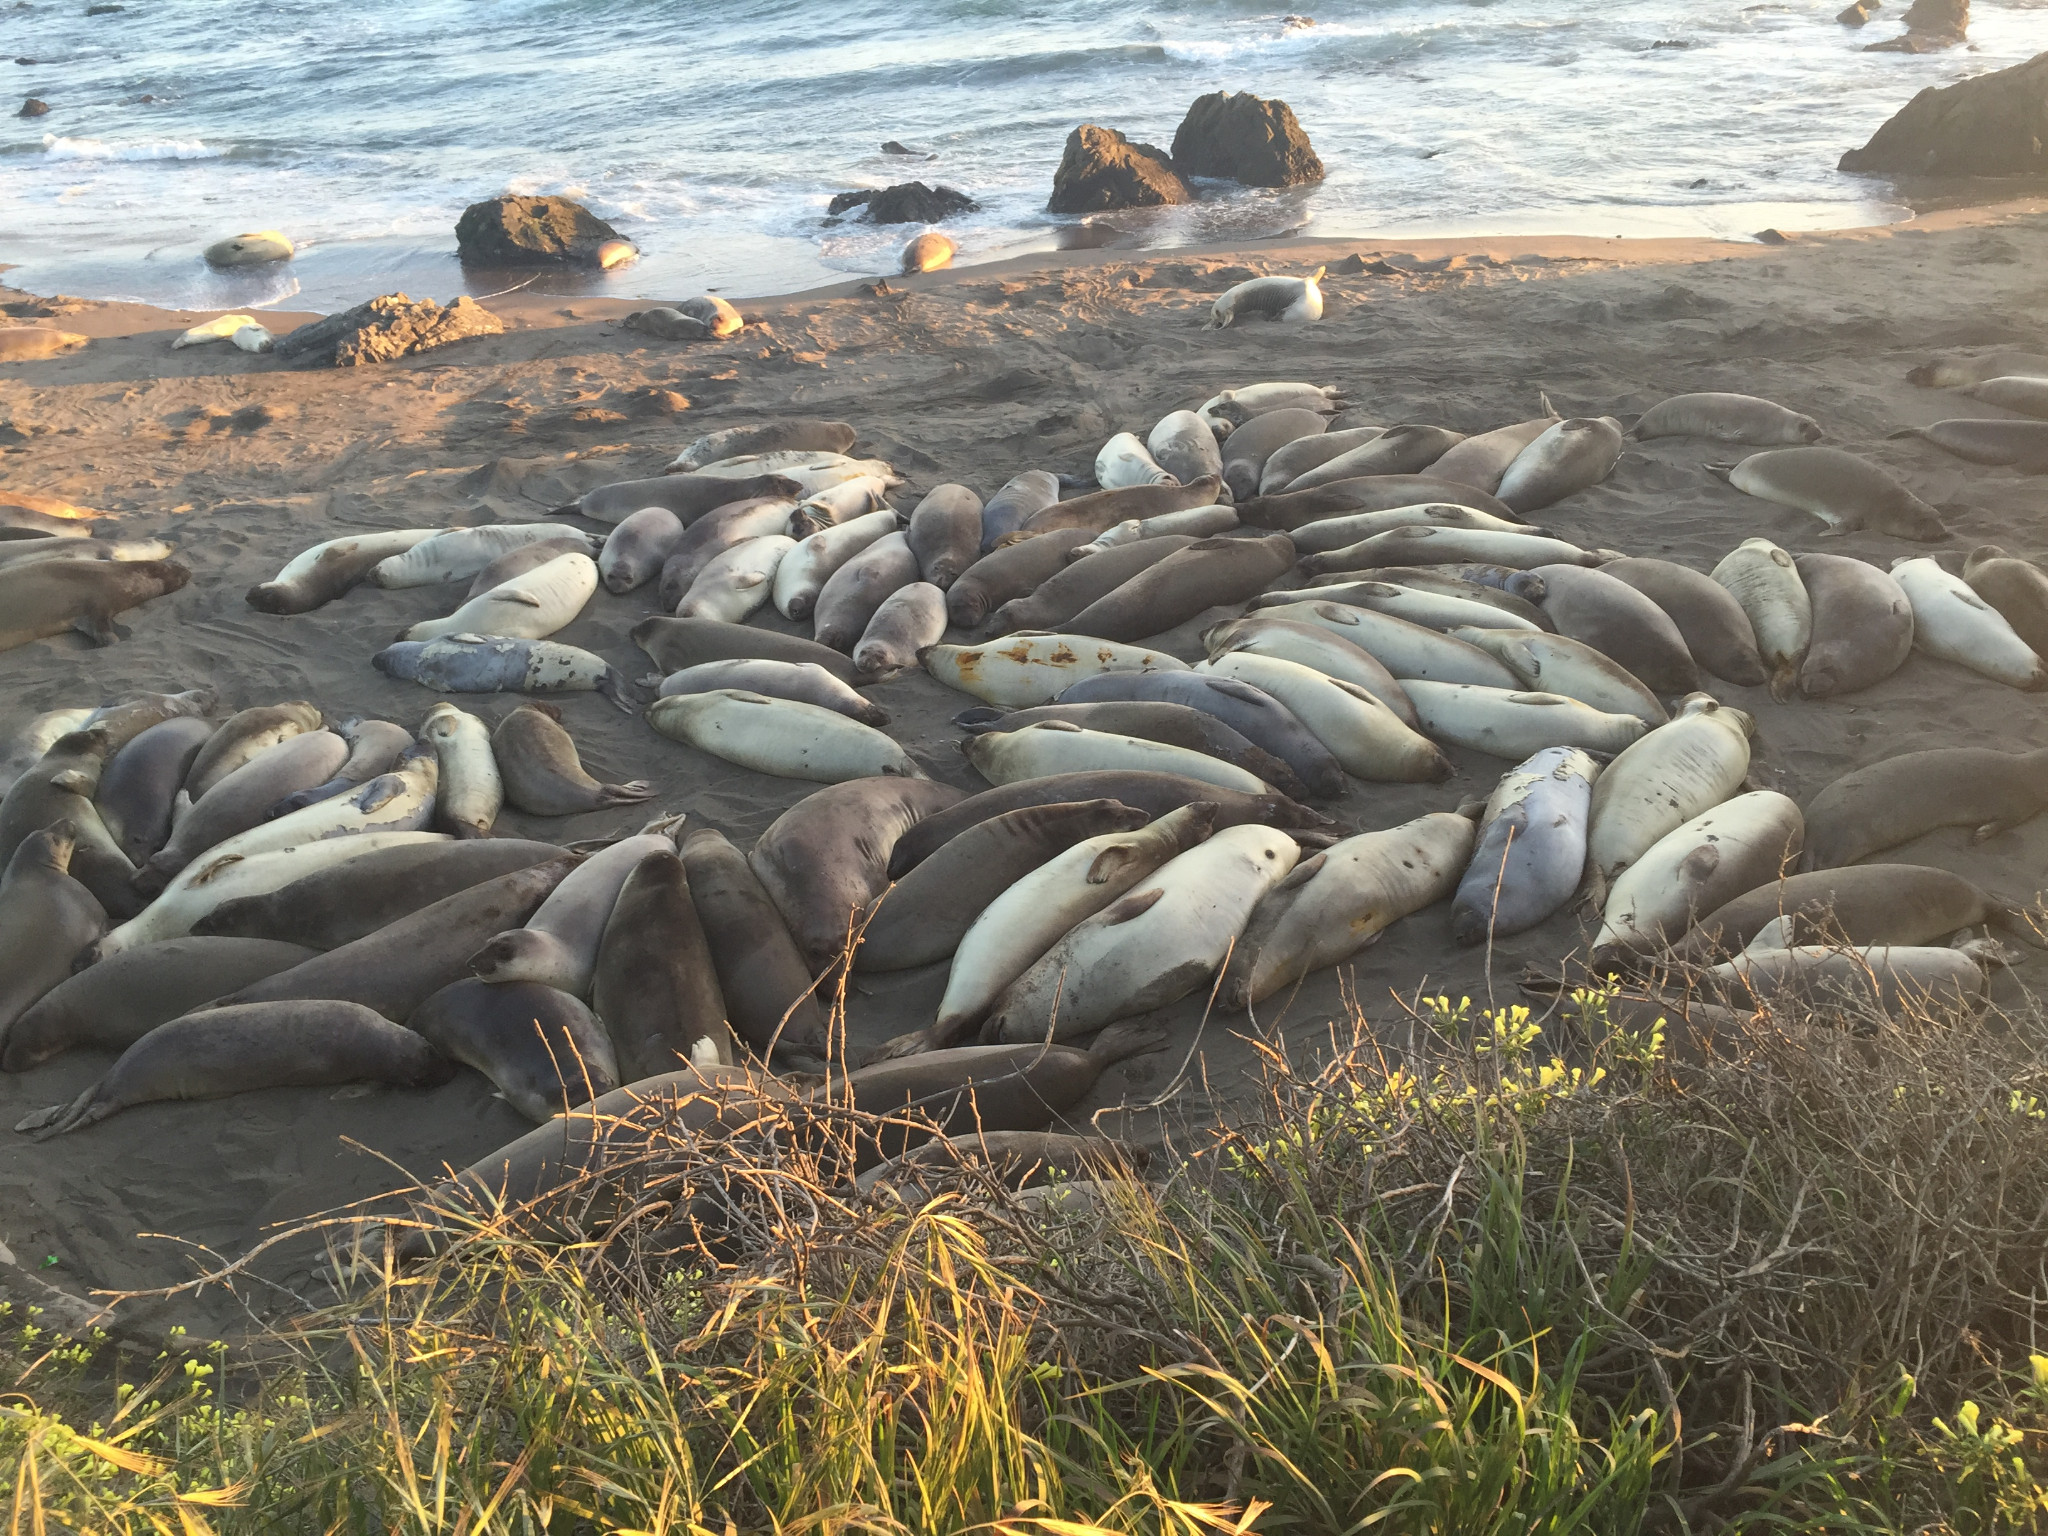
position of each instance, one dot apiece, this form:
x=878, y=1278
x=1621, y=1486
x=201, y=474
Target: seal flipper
x=96, y=627
x=614, y=686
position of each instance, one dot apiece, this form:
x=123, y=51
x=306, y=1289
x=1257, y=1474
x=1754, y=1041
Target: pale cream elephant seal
x=251, y=250
x=928, y=252
x=1290, y=300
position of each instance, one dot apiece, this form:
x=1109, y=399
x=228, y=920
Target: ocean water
x=714, y=135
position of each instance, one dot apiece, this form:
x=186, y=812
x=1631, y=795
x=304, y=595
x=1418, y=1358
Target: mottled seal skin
x=1727, y=418
x=58, y=788
x=767, y=988
x=1205, y=574
x=1715, y=629
x=242, y=736
x=859, y=587
x=47, y=920
x=1077, y=584
x=336, y=906
x=1843, y=491
x=827, y=857
x=911, y=620
x=140, y=784
x=2021, y=444
x=1176, y=725
x=804, y=682
x=397, y=967
x=674, y=644
x=304, y=1043
x=636, y=549
x=543, y=776
x=502, y=664
x=1368, y=493
x=688, y=496
x=2018, y=589
x=920, y=920
x=1531, y=851
x=711, y=536
x=53, y=596
x=1862, y=904
x=557, y=946
x=1620, y=622
x=542, y=1049
x=795, y=434
x=1101, y=510
x=1894, y=801
x=945, y=533
x=1244, y=453
x=244, y=799
x=1012, y=572
x=1862, y=625
x=374, y=748
x=520, y=559
x=113, y=1003
x=1022, y=498
x=1154, y=793
x=656, y=987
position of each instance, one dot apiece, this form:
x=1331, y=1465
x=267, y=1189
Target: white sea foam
x=154, y=149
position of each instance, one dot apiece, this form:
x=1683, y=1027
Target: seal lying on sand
x=49, y=597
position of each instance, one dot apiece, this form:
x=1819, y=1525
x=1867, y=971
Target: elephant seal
x=1578, y=452
x=1887, y=977
x=1765, y=583
x=501, y=664
x=1312, y=646
x=656, y=987
x=1676, y=772
x=637, y=548
x=1151, y=946
x=329, y=907
x=1334, y=903
x=802, y=572
x=1058, y=746
x=2022, y=445
x=32, y=343
x=911, y=621
x=1619, y=621
x=122, y=723
x=1531, y=851
x=827, y=857
x=922, y=918
x=1726, y=419
x=1707, y=862
x=1710, y=621
x=521, y=558
x=1288, y=510
x=1021, y=498
x=59, y=788
x=1032, y=669
x=458, y=554
x=256, y=248
x=1101, y=510
x=1125, y=461
x=945, y=533
x=47, y=920
x=1250, y=711
x=531, y=606
x=801, y=682
x=1515, y=725
x=29, y=551
x=140, y=784
x=1077, y=584
x=1952, y=622
x=558, y=944
x=1439, y=607
x=1401, y=450
x=110, y=1005
x=26, y=747
x=1181, y=443
x=301, y=1043
x=1422, y=545
x=1288, y=300
x=795, y=434
x=542, y=1049
x=470, y=792
x=688, y=496
x=542, y=773
x=1948, y=372
x=2028, y=396
x=2016, y=588
x=1860, y=904
x=718, y=533
x=1895, y=800
x=1363, y=734
x=315, y=577
x=1204, y=574
x=1232, y=408
x=674, y=644
x=396, y=968
x=1174, y=725
x=1561, y=665
x=780, y=736
x=859, y=587
x=1862, y=625
x=244, y=735
x=1290, y=460
x=1843, y=491
x=928, y=252
x=1247, y=450
x=770, y=1000
x=1012, y=572
x=374, y=749
x=243, y=800
x=37, y=601
x=1483, y=458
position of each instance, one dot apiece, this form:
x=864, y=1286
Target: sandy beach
x=969, y=375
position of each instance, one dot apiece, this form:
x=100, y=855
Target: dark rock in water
x=842, y=201
x=1993, y=125
x=103, y=10
x=893, y=148
x=1237, y=136
x=1858, y=14
x=1101, y=169
x=1931, y=25
x=912, y=202
x=1772, y=237
x=389, y=326
x=533, y=231
x=33, y=108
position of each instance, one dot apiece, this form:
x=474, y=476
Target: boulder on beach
x=1236, y=136
x=250, y=250
x=33, y=107
x=1993, y=125
x=538, y=231
x=1931, y=25
x=1102, y=169
x=1858, y=14
x=909, y=202
x=387, y=327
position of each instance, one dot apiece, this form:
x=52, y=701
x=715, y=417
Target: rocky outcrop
x=1931, y=25
x=33, y=107
x=1994, y=125
x=909, y=202
x=1858, y=14
x=537, y=231
x=1236, y=136
x=390, y=326
x=1102, y=169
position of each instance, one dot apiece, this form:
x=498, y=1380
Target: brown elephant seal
x=688, y=496
x=243, y=800
x=827, y=857
x=801, y=681
x=1021, y=498
x=122, y=723
x=853, y=593
x=1710, y=621
x=1570, y=456
x=543, y=774
x=1252, y=712
x=374, y=748
x=1862, y=625
x=678, y=643
x=1843, y=491
x=1249, y=446
x=945, y=533
x=1481, y=459
x=336, y=906
x=722, y=529
x=2022, y=445
x=1077, y=584
x=140, y=784
x=911, y=620
x=1141, y=789
x=244, y=734
x=1860, y=904
x=1205, y=574
x=920, y=919
x=48, y=598
x=656, y=987
x=58, y=788
x=1408, y=449
x=795, y=434
x=31, y=343
x=1012, y=572
x=557, y=945
x=1288, y=510
x=1894, y=801
x=1726, y=418
x=317, y=576
x=114, y=1002
x=303, y=1043
x=2018, y=589
x=520, y=559
x=1175, y=725
x=1100, y=511
x=1621, y=623
x=637, y=548
x=542, y=1049
x=47, y=920
x=769, y=996
x=401, y=965
x=1948, y=372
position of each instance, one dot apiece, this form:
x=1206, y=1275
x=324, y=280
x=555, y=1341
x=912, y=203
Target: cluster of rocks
x=1226, y=136
x=389, y=326
x=1931, y=25
x=1993, y=125
x=909, y=202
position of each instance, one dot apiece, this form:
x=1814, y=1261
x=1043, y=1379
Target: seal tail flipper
x=568, y=508
x=59, y=1118
x=1125, y=1039
x=630, y=793
x=1785, y=681
x=614, y=686
x=914, y=1043
x=1719, y=471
